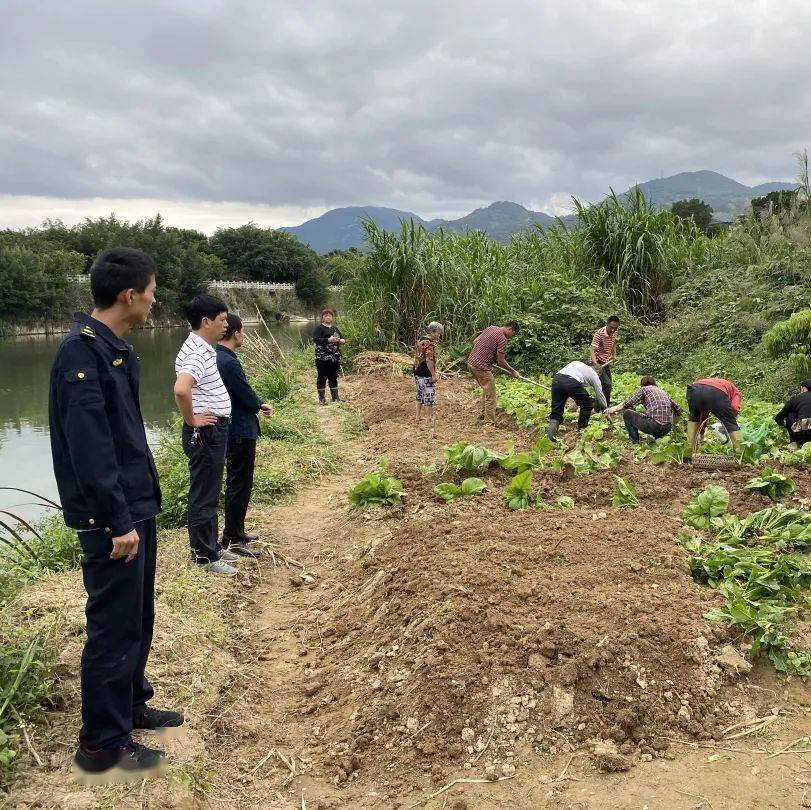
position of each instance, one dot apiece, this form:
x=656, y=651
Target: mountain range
x=340, y=228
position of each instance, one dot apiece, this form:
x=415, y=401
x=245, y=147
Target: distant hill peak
x=340, y=228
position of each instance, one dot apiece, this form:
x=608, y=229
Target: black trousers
x=636, y=423
x=120, y=615
x=240, y=459
x=607, y=382
x=327, y=372
x=206, y=464
x=701, y=398
x=564, y=387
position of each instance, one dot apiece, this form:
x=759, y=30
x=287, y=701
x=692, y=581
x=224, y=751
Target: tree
x=251, y=253
x=340, y=264
x=695, y=209
x=776, y=202
x=312, y=287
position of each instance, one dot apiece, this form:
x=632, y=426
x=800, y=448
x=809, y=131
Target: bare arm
x=502, y=362
x=183, y=388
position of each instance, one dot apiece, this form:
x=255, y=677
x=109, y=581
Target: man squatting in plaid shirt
x=660, y=411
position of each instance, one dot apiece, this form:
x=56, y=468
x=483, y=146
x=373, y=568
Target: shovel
x=527, y=380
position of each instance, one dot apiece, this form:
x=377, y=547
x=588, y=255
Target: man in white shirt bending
x=571, y=381
x=205, y=406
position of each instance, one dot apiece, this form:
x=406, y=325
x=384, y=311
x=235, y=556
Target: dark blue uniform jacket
x=104, y=469
x=245, y=404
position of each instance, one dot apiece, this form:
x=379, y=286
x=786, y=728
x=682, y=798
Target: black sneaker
x=149, y=719
x=130, y=763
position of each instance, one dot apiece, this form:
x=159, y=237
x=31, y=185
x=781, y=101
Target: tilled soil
x=467, y=636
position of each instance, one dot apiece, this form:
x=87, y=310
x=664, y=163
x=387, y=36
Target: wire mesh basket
x=709, y=461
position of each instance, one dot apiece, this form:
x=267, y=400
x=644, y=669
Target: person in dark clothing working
x=570, y=381
x=328, y=341
x=660, y=411
x=795, y=416
x=205, y=406
x=240, y=456
x=717, y=396
x=110, y=494
x=603, y=352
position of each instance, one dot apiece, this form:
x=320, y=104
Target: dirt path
x=285, y=741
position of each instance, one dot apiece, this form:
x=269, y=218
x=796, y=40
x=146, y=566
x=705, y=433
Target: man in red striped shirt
x=716, y=396
x=488, y=349
x=603, y=352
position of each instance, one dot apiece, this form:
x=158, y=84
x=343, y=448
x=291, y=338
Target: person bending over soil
x=328, y=341
x=660, y=411
x=795, y=416
x=488, y=349
x=571, y=382
x=716, y=396
x=425, y=376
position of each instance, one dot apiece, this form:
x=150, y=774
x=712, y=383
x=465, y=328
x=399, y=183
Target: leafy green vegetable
x=428, y=469
x=625, y=494
x=517, y=493
x=465, y=457
x=565, y=502
x=754, y=563
x=773, y=484
x=467, y=489
x=377, y=488
x=519, y=462
x=708, y=504
x=669, y=449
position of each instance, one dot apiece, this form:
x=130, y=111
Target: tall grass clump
x=639, y=248
x=465, y=281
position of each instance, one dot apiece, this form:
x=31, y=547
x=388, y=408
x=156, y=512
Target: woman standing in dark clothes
x=328, y=341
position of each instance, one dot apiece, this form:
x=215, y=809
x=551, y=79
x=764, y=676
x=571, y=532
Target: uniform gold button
x=107, y=529
x=80, y=375
x=118, y=361
x=91, y=521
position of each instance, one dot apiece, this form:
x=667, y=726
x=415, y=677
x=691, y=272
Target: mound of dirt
x=470, y=640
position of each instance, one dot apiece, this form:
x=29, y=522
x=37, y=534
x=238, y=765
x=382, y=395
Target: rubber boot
x=322, y=400
x=692, y=439
x=552, y=430
x=736, y=437
x=334, y=394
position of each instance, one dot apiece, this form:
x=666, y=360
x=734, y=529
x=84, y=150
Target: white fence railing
x=264, y=286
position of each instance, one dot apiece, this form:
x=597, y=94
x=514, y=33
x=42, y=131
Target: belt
x=223, y=420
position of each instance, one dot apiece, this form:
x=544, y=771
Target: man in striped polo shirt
x=603, y=353
x=205, y=406
x=488, y=349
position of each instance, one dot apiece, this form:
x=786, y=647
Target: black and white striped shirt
x=199, y=359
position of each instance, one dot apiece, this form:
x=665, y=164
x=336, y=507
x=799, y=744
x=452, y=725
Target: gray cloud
x=432, y=107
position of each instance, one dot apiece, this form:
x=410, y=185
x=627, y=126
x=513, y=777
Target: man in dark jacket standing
x=110, y=494
x=243, y=432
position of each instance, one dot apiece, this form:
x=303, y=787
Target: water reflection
x=25, y=364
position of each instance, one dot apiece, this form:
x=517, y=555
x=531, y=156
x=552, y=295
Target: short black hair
x=647, y=380
x=203, y=306
x=119, y=269
x=234, y=325
x=514, y=325
x=613, y=319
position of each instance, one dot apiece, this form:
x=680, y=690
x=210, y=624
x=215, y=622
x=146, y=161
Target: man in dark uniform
x=110, y=494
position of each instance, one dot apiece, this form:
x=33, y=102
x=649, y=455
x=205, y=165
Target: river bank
x=318, y=677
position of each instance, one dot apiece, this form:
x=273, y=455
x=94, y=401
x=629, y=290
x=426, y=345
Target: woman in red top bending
x=716, y=396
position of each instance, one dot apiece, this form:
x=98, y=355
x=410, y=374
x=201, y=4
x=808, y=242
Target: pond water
x=25, y=365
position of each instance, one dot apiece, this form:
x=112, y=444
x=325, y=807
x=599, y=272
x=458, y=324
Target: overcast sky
x=219, y=111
